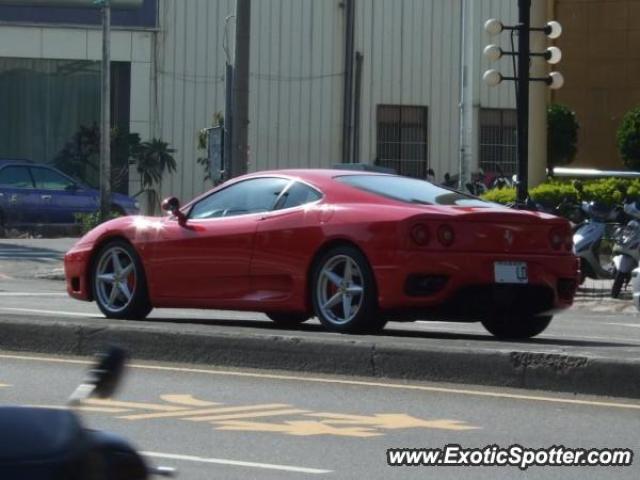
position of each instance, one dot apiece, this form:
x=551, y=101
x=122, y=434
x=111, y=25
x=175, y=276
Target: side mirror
x=172, y=205
x=73, y=188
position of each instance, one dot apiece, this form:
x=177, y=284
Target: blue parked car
x=36, y=194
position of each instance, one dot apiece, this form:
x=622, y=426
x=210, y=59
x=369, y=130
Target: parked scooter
x=52, y=444
x=588, y=237
x=626, y=251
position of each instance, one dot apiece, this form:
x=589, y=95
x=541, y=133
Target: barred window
x=498, y=140
x=402, y=139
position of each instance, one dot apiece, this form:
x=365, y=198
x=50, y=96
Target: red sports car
x=354, y=249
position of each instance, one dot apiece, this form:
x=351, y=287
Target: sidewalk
x=33, y=257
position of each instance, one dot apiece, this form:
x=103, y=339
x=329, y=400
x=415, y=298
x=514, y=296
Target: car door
x=285, y=240
x=18, y=202
x=208, y=258
x=61, y=197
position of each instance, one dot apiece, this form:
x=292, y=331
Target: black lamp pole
x=522, y=94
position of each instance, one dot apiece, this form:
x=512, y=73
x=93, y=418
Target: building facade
x=601, y=43
x=169, y=82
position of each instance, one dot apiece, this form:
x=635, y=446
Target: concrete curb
x=343, y=355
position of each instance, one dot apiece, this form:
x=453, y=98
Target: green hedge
x=611, y=191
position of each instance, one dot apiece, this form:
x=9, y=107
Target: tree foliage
x=562, y=131
x=629, y=139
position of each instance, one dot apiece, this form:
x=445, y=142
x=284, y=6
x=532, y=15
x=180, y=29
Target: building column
x=538, y=98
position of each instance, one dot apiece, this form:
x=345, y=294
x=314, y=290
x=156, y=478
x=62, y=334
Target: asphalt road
x=241, y=424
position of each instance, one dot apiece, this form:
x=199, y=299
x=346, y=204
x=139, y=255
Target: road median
x=365, y=356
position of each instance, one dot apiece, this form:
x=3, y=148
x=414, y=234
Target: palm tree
x=152, y=159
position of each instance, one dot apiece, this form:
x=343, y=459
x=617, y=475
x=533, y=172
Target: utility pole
x=105, y=117
x=240, y=102
x=467, y=97
x=522, y=97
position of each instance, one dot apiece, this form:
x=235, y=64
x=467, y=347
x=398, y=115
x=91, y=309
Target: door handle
x=45, y=197
x=13, y=198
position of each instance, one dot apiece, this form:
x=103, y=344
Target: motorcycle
x=626, y=251
x=588, y=238
x=52, y=444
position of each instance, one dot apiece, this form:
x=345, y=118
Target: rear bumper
x=469, y=286
x=76, y=271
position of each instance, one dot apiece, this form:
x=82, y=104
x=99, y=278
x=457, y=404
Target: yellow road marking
x=200, y=412
x=241, y=408
x=4, y=385
x=335, y=381
x=392, y=421
x=132, y=405
x=186, y=400
x=271, y=413
x=299, y=428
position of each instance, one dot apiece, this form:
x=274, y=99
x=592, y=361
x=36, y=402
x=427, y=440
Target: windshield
x=411, y=190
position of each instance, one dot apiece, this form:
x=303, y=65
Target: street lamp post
x=105, y=114
x=522, y=78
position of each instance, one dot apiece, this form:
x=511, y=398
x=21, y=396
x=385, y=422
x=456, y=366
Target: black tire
x=288, y=319
x=507, y=327
x=617, y=284
x=139, y=306
x=367, y=318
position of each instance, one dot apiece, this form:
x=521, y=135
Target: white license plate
x=511, y=272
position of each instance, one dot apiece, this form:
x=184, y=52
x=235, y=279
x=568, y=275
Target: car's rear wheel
x=119, y=282
x=344, y=293
x=288, y=319
x=512, y=327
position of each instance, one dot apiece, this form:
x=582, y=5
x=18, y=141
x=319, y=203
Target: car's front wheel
x=513, y=327
x=344, y=293
x=119, y=283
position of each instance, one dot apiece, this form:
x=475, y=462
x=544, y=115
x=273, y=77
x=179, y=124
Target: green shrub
x=500, y=195
x=611, y=191
x=562, y=131
x=629, y=139
x=552, y=193
x=89, y=221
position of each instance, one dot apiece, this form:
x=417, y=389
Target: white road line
x=51, y=312
x=633, y=325
x=33, y=294
x=236, y=463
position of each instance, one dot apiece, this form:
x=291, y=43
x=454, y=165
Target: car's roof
x=313, y=175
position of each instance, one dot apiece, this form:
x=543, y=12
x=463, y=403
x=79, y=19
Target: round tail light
x=420, y=234
x=446, y=236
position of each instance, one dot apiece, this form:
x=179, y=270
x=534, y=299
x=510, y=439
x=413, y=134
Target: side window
x=15, y=177
x=298, y=194
x=250, y=196
x=47, y=179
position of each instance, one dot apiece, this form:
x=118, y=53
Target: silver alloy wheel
x=116, y=279
x=340, y=289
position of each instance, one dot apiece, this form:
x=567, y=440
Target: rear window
x=410, y=190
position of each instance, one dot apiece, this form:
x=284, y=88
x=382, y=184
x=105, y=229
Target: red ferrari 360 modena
x=354, y=249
